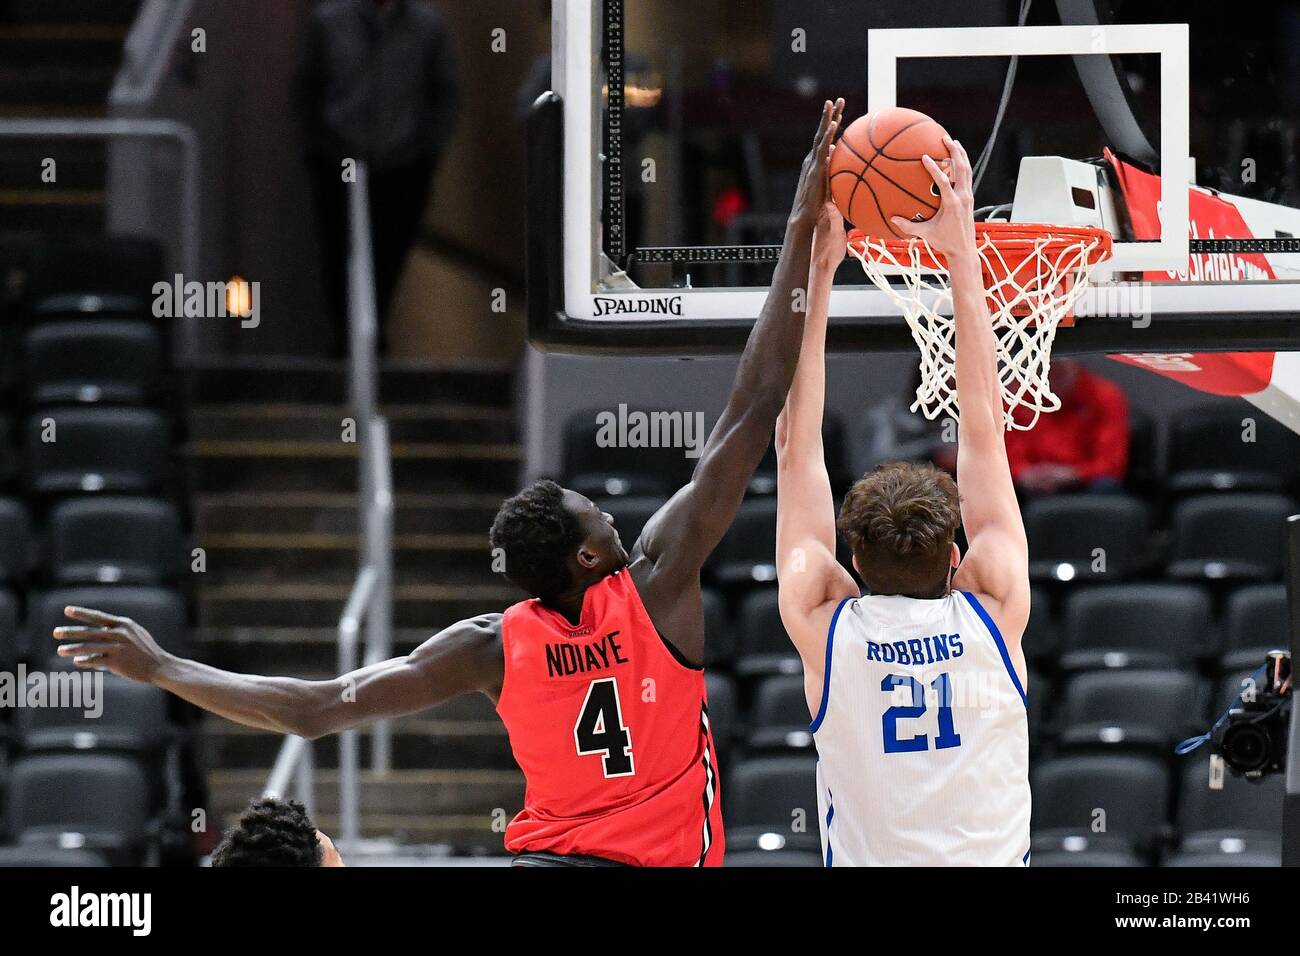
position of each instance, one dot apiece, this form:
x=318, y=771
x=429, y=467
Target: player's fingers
x=906, y=226
x=960, y=162
x=81, y=650
x=939, y=176
x=820, y=136
x=114, y=635
x=91, y=616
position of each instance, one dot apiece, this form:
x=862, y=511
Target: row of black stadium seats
x=108, y=539
x=1144, y=625
x=103, y=802
x=1073, y=538
x=77, y=449
x=1131, y=806
x=70, y=360
x=1211, y=448
x=1144, y=710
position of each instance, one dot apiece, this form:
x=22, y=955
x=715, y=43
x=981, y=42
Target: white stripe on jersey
x=922, y=737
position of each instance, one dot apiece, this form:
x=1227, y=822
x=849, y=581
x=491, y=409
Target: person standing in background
x=376, y=82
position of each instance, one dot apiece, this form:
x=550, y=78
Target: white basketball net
x=1026, y=304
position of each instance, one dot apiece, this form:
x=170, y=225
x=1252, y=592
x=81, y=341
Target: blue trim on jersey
x=997, y=639
x=830, y=815
x=826, y=679
x=1025, y=859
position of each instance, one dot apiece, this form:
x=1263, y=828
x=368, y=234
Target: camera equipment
x=1251, y=735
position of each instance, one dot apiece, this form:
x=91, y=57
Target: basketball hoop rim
x=1014, y=241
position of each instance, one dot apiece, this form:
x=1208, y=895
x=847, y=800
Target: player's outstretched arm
x=687, y=529
x=464, y=657
x=809, y=574
x=996, y=565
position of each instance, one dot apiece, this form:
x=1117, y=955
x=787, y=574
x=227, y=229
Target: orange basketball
x=876, y=170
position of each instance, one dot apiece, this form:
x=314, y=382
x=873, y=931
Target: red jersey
x=612, y=734
x=1089, y=432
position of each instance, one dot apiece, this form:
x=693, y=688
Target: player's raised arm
x=465, y=657
x=686, y=530
x=809, y=574
x=997, y=562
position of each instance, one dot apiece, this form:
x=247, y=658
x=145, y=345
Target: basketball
x=876, y=170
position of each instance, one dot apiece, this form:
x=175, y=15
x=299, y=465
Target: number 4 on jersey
x=600, y=729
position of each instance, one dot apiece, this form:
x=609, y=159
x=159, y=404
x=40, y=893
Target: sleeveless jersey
x=612, y=734
x=922, y=737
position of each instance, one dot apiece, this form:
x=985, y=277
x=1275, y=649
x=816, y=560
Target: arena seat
x=1103, y=857
x=630, y=514
x=1150, y=709
x=159, y=610
x=90, y=274
x=116, y=361
x=1041, y=640
x=724, y=712
x=759, y=858
x=124, y=450
x=132, y=718
x=1256, y=623
x=49, y=856
x=1243, y=814
x=1229, y=537
x=101, y=800
x=1207, y=451
x=1137, y=625
x=747, y=552
x=1132, y=791
x=762, y=644
x=1142, y=476
x=618, y=470
x=15, y=541
x=1235, y=857
x=114, y=540
x=1065, y=532
x=719, y=642
x=11, y=642
x=772, y=803
x=779, y=718
x=8, y=453
x=834, y=451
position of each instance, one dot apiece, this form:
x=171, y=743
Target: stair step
x=441, y=422
x=56, y=84
x=336, y=512
x=324, y=382
x=334, y=557
x=475, y=793
x=332, y=466
x=270, y=604
x=416, y=742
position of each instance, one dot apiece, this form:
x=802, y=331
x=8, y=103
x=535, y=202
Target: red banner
x=1209, y=217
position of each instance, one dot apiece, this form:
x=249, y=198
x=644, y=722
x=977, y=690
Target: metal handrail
x=370, y=601
x=133, y=129
x=294, y=762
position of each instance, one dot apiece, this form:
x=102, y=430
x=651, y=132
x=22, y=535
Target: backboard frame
x=568, y=313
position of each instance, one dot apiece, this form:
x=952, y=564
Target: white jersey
x=922, y=737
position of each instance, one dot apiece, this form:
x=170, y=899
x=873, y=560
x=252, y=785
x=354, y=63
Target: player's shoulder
x=1006, y=617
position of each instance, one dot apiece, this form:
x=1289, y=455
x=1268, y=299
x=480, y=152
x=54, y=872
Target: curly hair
x=270, y=832
x=900, y=520
x=537, y=533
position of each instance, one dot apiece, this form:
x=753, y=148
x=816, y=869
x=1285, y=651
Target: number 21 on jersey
x=946, y=737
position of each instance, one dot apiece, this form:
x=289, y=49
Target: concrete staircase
x=58, y=58
x=274, y=491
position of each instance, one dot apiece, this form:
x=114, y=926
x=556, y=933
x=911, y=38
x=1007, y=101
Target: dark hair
x=537, y=533
x=900, y=519
x=270, y=832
